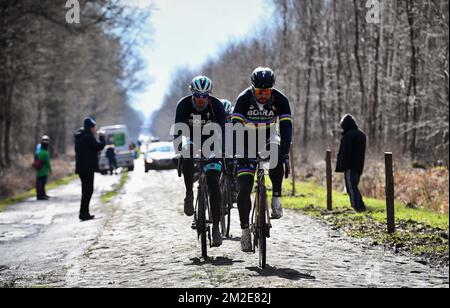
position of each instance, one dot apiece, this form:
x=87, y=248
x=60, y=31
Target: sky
x=187, y=33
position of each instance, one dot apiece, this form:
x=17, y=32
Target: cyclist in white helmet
x=210, y=110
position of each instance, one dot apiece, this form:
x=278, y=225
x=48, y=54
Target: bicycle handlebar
x=178, y=161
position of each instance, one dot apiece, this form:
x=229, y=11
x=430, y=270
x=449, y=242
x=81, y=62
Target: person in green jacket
x=42, y=174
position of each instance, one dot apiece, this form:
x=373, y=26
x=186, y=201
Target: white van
x=118, y=135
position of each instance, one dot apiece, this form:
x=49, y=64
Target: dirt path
x=39, y=238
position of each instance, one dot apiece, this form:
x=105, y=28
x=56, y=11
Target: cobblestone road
x=144, y=240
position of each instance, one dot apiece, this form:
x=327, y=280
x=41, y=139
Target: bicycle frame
x=261, y=225
x=204, y=231
x=227, y=200
x=202, y=214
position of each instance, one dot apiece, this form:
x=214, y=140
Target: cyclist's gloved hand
x=284, y=159
x=186, y=144
x=186, y=148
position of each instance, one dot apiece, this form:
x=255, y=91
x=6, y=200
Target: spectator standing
x=87, y=149
x=351, y=159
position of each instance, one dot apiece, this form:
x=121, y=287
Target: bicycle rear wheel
x=223, y=206
x=230, y=205
x=228, y=198
x=262, y=225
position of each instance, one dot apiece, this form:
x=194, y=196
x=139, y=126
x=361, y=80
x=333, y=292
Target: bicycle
x=202, y=215
x=227, y=199
x=261, y=224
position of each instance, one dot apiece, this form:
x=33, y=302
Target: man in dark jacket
x=351, y=159
x=87, y=149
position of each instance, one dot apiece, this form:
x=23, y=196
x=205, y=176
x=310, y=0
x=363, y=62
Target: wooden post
x=329, y=182
x=293, y=174
x=390, y=211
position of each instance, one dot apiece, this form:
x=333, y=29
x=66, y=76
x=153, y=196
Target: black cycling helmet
x=263, y=78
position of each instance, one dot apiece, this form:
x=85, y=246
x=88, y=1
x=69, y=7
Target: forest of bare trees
x=329, y=60
x=53, y=73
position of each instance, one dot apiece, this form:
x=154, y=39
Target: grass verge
x=32, y=193
x=109, y=195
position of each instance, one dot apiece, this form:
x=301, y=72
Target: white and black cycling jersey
x=263, y=117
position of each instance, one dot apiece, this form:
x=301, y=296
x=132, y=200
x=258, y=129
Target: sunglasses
x=262, y=91
x=201, y=95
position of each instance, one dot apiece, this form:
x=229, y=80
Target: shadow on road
x=285, y=273
x=232, y=239
x=219, y=261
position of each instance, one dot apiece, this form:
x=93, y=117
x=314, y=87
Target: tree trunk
x=321, y=88
x=413, y=78
x=358, y=61
x=374, y=112
x=2, y=162
x=306, y=114
x=337, y=47
x=8, y=122
x=2, y=121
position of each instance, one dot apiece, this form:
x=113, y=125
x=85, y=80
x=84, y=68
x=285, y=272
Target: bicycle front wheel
x=201, y=222
x=262, y=225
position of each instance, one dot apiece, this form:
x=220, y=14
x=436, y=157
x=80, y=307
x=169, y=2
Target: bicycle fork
x=255, y=218
x=207, y=216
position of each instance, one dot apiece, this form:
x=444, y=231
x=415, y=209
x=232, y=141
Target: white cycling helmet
x=201, y=85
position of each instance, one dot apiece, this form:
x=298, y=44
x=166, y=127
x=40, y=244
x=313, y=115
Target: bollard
x=329, y=182
x=390, y=211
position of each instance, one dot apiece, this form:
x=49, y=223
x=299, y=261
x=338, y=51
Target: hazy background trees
x=392, y=76
x=52, y=73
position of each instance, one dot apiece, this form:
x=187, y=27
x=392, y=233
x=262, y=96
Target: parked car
x=159, y=156
x=118, y=135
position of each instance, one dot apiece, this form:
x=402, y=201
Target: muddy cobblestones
x=149, y=243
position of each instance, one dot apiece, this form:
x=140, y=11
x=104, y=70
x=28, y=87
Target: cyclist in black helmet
x=261, y=106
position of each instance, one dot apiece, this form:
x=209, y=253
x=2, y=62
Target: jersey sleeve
x=179, y=117
x=239, y=111
x=285, y=118
x=221, y=119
